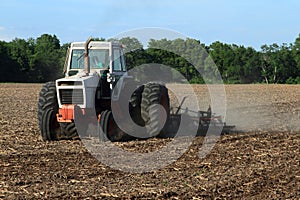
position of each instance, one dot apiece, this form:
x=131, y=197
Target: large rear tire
x=154, y=97
x=135, y=106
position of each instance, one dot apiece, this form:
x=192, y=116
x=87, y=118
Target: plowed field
x=260, y=160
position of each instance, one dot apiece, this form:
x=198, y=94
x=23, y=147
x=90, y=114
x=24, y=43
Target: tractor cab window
x=77, y=61
x=98, y=58
x=118, y=64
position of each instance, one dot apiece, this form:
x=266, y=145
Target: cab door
x=118, y=71
x=118, y=65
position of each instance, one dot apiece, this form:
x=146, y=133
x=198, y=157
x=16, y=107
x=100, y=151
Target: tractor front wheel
x=108, y=129
x=47, y=109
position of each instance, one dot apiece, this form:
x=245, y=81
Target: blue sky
x=250, y=23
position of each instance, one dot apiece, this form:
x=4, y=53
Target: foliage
x=42, y=59
x=32, y=60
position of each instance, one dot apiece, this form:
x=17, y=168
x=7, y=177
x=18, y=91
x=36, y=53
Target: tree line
x=42, y=59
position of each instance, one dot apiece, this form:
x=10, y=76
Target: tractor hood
x=78, y=90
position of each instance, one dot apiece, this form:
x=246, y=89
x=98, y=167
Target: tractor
x=95, y=80
x=88, y=90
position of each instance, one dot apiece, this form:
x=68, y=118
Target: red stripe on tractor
x=66, y=113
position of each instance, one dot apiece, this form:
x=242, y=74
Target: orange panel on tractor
x=66, y=113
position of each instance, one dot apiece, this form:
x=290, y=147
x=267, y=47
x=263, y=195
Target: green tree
x=278, y=63
x=47, y=58
x=42, y=59
x=21, y=52
x=185, y=56
x=130, y=43
x=296, y=56
x=98, y=39
x=251, y=67
x=8, y=68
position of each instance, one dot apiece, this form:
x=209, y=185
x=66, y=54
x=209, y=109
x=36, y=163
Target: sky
x=249, y=23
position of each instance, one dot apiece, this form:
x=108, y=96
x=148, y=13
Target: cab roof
x=96, y=44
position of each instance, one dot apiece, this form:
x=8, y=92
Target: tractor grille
x=71, y=96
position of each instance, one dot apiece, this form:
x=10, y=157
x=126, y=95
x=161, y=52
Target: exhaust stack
x=86, y=56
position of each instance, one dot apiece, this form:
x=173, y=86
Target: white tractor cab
x=92, y=69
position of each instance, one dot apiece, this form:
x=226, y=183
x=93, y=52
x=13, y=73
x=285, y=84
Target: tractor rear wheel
x=135, y=106
x=154, y=97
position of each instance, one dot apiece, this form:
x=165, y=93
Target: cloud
x=2, y=28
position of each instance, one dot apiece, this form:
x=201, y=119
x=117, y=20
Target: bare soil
x=260, y=160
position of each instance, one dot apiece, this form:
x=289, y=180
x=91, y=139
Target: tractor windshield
x=98, y=58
